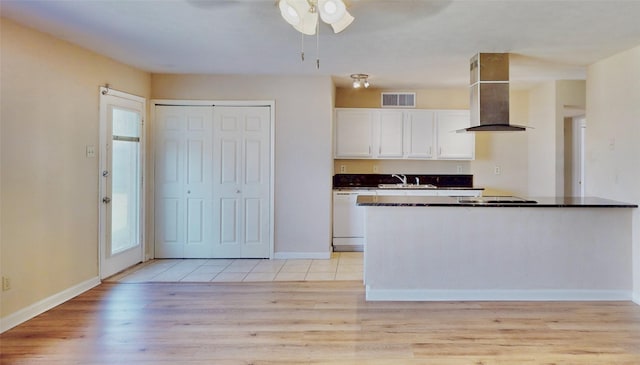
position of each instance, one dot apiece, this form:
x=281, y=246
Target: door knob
x=106, y=200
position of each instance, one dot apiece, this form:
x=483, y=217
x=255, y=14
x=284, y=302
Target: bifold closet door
x=241, y=189
x=212, y=182
x=183, y=182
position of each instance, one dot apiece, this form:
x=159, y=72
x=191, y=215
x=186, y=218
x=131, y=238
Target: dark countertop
x=401, y=188
x=359, y=181
x=445, y=201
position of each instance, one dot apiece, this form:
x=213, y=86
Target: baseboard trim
x=44, y=305
x=496, y=295
x=636, y=298
x=302, y=255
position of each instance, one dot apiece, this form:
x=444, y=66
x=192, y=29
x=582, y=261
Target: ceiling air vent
x=399, y=100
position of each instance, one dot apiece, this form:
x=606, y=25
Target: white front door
x=241, y=187
x=121, y=190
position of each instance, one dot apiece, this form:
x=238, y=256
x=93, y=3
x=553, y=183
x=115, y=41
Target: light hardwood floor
x=316, y=323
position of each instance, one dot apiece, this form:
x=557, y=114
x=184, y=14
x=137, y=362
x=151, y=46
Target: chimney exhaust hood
x=489, y=89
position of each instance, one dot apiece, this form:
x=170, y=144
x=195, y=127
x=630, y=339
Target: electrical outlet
x=343, y=169
x=497, y=170
x=375, y=169
x=459, y=169
x=6, y=283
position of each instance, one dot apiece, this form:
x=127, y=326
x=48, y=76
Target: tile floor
x=341, y=266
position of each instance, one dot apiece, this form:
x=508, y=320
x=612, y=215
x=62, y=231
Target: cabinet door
x=419, y=134
x=453, y=145
x=390, y=134
x=353, y=132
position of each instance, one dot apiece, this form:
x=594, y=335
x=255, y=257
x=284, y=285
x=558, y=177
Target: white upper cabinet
x=403, y=134
x=353, y=133
x=390, y=134
x=420, y=137
x=453, y=145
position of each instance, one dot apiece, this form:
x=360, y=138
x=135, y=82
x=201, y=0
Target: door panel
x=171, y=222
x=228, y=220
x=252, y=209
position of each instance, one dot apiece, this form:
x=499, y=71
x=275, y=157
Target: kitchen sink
x=407, y=186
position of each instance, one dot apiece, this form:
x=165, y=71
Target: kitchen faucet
x=402, y=178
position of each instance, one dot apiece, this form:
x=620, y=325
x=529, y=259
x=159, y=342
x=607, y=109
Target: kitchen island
x=446, y=248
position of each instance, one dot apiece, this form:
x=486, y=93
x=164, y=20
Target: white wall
x=303, y=161
x=546, y=137
x=542, y=138
x=613, y=137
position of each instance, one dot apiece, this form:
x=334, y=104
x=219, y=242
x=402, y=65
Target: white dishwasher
x=348, y=220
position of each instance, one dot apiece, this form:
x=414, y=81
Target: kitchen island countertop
x=444, y=201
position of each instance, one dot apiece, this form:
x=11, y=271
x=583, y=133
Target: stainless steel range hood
x=490, y=93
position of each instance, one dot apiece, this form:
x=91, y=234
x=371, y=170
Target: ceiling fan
x=303, y=15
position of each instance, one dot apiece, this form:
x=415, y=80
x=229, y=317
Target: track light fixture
x=360, y=80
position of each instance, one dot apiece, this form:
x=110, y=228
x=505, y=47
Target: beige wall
x=613, y=137
x=425, y=99
x=49, y=188
x=507, y=150
x=303, y=161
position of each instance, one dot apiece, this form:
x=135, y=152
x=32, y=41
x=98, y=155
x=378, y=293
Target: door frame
x=103, y=131
x=150, y=230
x=579, y=131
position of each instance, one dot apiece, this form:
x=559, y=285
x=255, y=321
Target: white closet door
x=241, y=188
x=183, y=179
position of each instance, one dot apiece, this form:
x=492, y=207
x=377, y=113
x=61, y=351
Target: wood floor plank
x=316, y=323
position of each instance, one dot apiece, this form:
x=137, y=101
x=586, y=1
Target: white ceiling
x=403, y=45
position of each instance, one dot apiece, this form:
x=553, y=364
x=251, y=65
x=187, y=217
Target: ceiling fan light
x=343, y=23
x=366, y=84
x=331, y=11
x=289, y=12
x=308, y=24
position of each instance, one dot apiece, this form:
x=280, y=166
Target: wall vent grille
x=399, y=100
